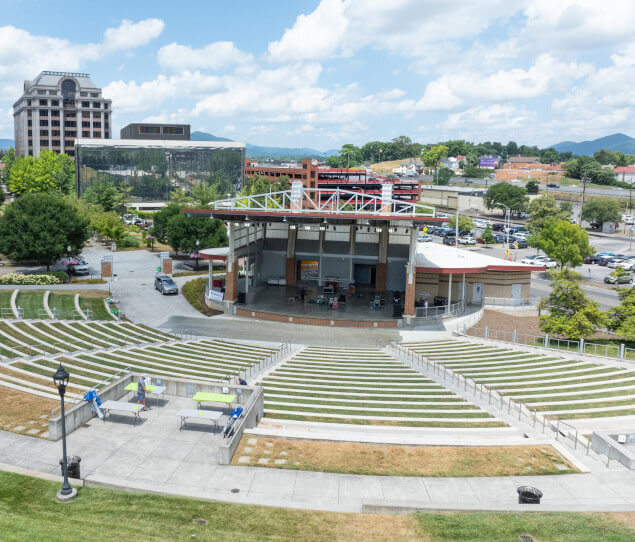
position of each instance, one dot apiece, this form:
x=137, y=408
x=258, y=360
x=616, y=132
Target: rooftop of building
x=437, y=258
x=158, y=143
x=52, y=79
x=625, y=169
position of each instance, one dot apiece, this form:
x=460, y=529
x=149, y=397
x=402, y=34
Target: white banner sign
x=216, y=295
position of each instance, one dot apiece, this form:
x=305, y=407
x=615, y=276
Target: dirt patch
x=20, y=409
x=379, y=459
x=525, y=325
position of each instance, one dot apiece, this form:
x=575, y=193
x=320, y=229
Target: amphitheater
x=446, y=389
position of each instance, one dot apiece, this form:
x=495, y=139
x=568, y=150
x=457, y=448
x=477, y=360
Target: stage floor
x=286, y=300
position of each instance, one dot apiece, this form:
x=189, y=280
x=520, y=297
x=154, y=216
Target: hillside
x=615, y=142
x=257, y=151
x=388, y=165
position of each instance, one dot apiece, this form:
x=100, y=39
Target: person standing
x=141, y=392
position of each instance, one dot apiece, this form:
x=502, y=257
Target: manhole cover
x=526, y=538
x=200, y=521
x=235, y=490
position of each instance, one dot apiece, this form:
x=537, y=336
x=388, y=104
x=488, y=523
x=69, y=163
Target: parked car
x=627, y=265
x=445, y=231
x=467, y=240
x=518, y=243
x=615, y=263
x=533, y=260
x=480, y=223
x=449, y=240
x=605, y=260
x=79, y=268
x=549, y=263
x=553, y=185
x=591, y=259
x=165, y=285
x=498, y=227
x=498, y=238
x=423, y=238
x=613, y=278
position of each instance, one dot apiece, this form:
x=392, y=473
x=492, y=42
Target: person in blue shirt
x=141, y=392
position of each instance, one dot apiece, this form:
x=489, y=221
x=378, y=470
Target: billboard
x=488, y=162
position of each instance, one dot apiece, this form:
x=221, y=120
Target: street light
x=508, y=220
x=60, y=379
x=197, y=244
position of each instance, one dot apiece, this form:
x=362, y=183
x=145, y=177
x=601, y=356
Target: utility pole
x=456, y=238
x=583, y=191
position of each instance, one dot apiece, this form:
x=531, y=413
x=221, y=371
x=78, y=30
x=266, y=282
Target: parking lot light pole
x=197, y=244
x=60, y=379
x=508, y=221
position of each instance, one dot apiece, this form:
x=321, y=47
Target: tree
x=465, y=223
x=40, y=227
x=50, y=172
x=183, y=231
x=476, y=172
x=444, y=176
x=601, y=210
x=433, y=156
x=566, y=243
x=605, y=157
x=204, y=193
x=531, y=187
x=101, y=192
x=488, y=235
x=109, y=226
x=8, y=159
x=571, y=313
x=548, y=156
x=161, y=218
x=621, y=318
x=542, y=209
x=121, y=199
x=180, y=197
x=513, y=197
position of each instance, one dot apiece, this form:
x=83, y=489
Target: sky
x=323, y=73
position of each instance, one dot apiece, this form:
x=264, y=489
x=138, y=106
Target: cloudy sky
x=321, y=73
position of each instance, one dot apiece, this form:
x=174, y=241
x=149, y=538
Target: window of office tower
x=68, y=88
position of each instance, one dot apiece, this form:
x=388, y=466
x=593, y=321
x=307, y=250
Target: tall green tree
x=542, y=209
x=444, y=176
x=602, y=210
x=566, y=243
x=8, y=159
x=531, y=187
x=50, y=172
x=488, y=235
x=571, y=313
x=204, y=193
x=183, y=231
x=465, y=222
x=40, y=227
x=514, y=197
x=621, y=318
x=101, y=192
x=432, y=157
x=161, y=218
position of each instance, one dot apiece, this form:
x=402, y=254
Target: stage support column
x=382, y=261
x=411, y=278
x=447, y=307
x=351, y=251
x=321, y=275
x=231, y=271
x=289, y=269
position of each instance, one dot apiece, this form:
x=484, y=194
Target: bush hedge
x=26, y=280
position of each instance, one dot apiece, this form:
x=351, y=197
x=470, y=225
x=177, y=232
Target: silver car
x=80, y=268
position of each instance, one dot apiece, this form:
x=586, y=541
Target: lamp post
x=60, y=379
x=508, y=221
x=197, y=244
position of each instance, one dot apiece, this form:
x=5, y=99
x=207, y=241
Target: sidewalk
x=115, y=454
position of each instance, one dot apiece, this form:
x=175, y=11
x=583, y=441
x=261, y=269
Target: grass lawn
x=31, y=301
x=29, y=511
x=64, y=303
x=378, y=459
x=96, y=306
x=5, y=299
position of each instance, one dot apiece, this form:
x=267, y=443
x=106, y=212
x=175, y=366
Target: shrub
x=129, y=242
x=22, y=279
x=62, y=276
x=194, y=292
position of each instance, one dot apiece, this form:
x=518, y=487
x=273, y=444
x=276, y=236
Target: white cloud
x=132, y=96
x=229, y=128
x=406, y=27
x=214, y=56
x=23, y=55
x=130, y=35
x=501, y=115
x=547, y=75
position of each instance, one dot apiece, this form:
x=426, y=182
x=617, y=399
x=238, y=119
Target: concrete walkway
x=155, y=456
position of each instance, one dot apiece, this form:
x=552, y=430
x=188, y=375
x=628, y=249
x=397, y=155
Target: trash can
x=529, y=495
x=72, y=464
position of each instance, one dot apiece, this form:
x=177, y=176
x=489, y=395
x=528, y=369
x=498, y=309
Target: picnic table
x=210, y=415
x=205, y=397
x=122, y=406
x=156, y=390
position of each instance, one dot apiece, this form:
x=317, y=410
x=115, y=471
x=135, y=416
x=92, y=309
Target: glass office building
x=154, y=169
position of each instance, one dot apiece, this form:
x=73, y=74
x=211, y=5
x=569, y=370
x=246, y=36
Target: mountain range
x=615, y=142
x=6, y=143
x=257, y=151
